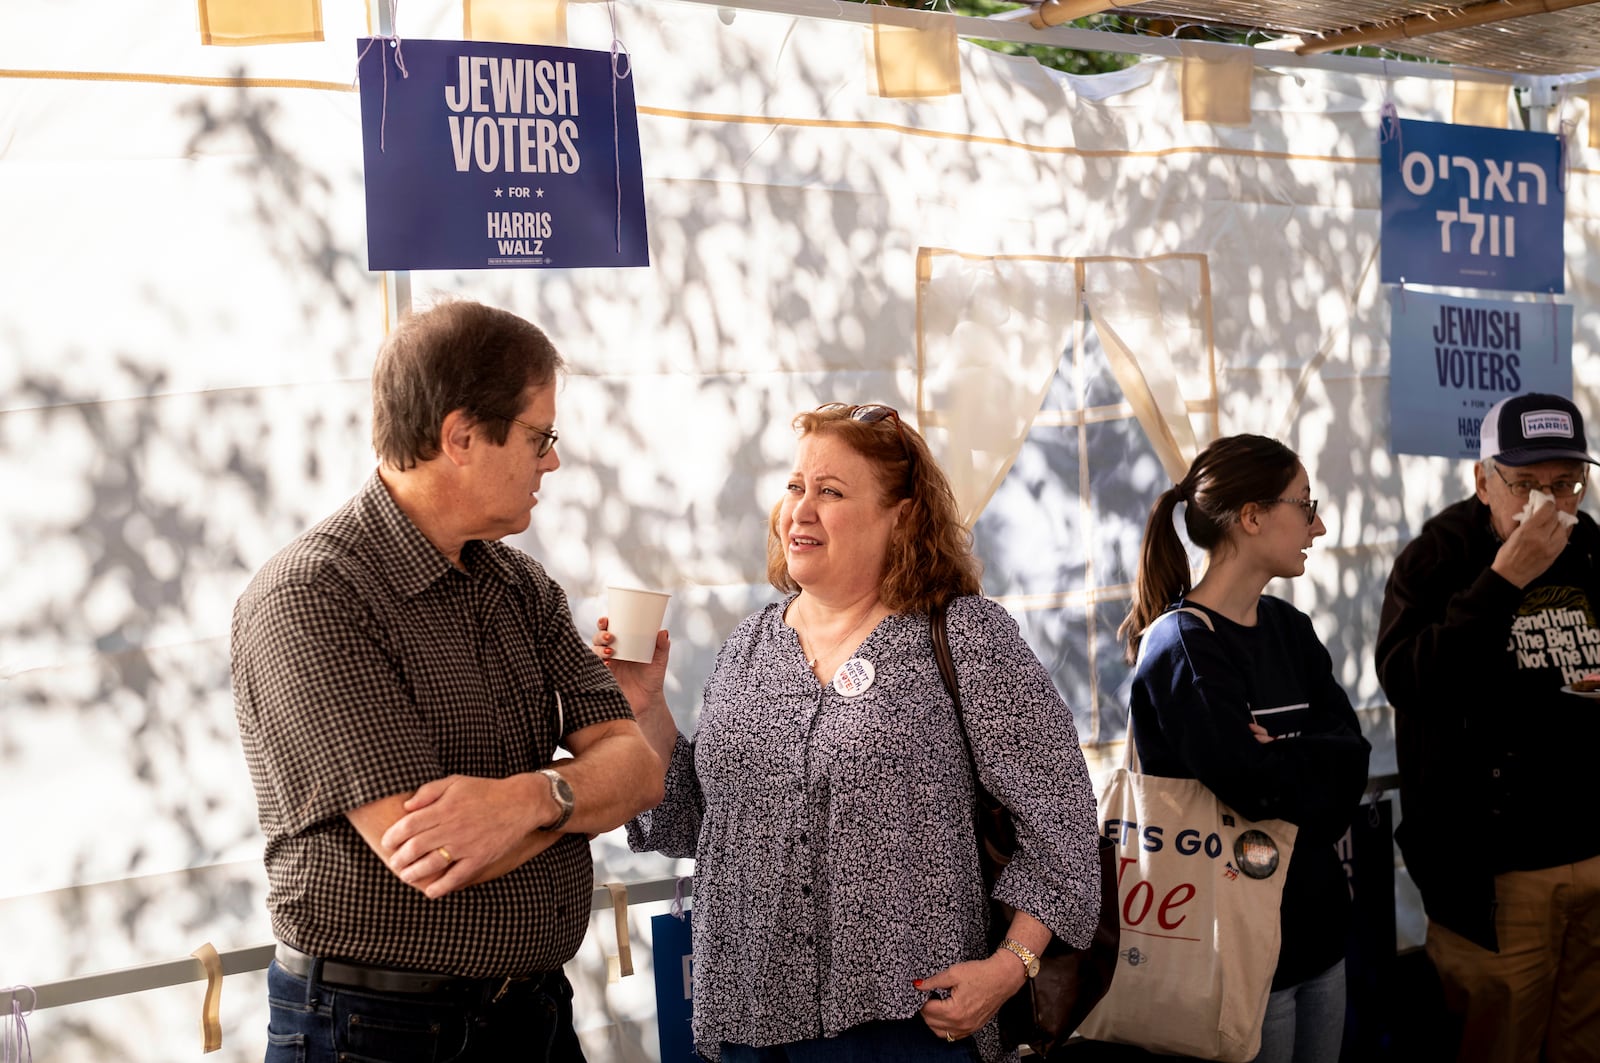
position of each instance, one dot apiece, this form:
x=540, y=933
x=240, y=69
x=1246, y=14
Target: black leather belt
x=388, y=979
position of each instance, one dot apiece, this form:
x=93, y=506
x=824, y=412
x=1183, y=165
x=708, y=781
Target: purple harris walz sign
x=495, y=156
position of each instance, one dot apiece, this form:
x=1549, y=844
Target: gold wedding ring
x=442, y=851
x=950, y=1037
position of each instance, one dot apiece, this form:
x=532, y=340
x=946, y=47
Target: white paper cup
x=633, y=617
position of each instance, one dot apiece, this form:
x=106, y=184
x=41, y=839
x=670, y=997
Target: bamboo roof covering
x=1539, y=37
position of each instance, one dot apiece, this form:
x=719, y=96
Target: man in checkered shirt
x=402, y=681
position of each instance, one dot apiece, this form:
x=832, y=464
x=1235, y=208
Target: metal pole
x=396, y=281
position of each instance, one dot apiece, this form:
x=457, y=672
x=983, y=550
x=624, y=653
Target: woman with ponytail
x=1248, y=704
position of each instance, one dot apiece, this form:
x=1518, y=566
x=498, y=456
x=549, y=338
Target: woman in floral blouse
x=827, y=797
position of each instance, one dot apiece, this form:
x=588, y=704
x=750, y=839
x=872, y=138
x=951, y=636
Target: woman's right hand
x=642, y=684
x=644, y=687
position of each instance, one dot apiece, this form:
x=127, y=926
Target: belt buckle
x=506, y=985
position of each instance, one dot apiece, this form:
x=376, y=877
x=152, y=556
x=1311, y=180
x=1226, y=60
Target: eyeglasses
x=547, y=436
x=1307, y=504
x=1563, y=488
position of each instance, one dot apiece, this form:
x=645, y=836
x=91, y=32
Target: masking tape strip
x=619, y=906
x=211, y=1010
x=178, y=79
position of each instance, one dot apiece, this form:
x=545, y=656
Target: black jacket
x=1494, y=757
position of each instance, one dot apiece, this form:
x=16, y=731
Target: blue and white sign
x=1472, y=207
x=482, y=156
x=1451, y=359
x=672, y=952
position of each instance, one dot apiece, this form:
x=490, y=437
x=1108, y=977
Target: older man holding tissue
x=1491, y=622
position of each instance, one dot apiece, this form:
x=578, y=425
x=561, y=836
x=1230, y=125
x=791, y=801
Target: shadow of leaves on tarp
x=161, y=485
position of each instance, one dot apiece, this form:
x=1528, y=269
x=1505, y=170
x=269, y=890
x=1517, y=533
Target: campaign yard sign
x=1450, y=359
x=1472, y=207
x=672, y=949
x=482, y=155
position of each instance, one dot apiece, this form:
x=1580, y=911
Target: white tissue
x=1536, y=501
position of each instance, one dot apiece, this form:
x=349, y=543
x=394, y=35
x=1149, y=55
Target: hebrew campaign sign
x=483, y=155
x=1451, y=359
x=1471, y=207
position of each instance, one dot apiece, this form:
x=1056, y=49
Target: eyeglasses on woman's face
x=547, y=436
x=1566, y=487
x=1307, y=504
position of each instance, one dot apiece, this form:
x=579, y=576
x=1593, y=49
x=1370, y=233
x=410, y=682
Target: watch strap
x=561, y=794
x=1030, y=960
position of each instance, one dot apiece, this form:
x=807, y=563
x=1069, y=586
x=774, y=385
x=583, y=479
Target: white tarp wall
x=1071, y=287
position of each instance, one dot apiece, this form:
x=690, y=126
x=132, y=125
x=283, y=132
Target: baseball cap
x=1524, y=429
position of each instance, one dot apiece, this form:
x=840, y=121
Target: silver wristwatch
x=561, y=793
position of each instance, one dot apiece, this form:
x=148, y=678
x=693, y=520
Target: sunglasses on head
x=872, y=413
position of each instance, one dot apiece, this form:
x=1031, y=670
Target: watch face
x=560, y=788
x=561, y=794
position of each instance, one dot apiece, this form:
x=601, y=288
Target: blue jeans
x=1305, y=1023
x=311, y=1021
x=890, y=1041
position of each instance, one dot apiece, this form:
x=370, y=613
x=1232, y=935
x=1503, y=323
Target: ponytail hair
x=1224, y=477
x=1163, y=575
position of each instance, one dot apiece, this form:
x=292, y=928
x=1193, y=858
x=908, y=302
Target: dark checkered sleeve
x=325, y=713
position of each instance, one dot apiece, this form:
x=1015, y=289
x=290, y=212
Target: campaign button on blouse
x=853, y=677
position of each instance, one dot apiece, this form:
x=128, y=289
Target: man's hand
x=1532, y=548
x=478, y=823
x=461, y=830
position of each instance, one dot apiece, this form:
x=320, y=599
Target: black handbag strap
x=1073, y=980
x=947, y=672
x=989, y=811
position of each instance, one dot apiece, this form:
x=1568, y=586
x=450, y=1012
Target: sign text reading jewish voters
x=482, y=155
x=1472, y=207
x=1451, y=359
